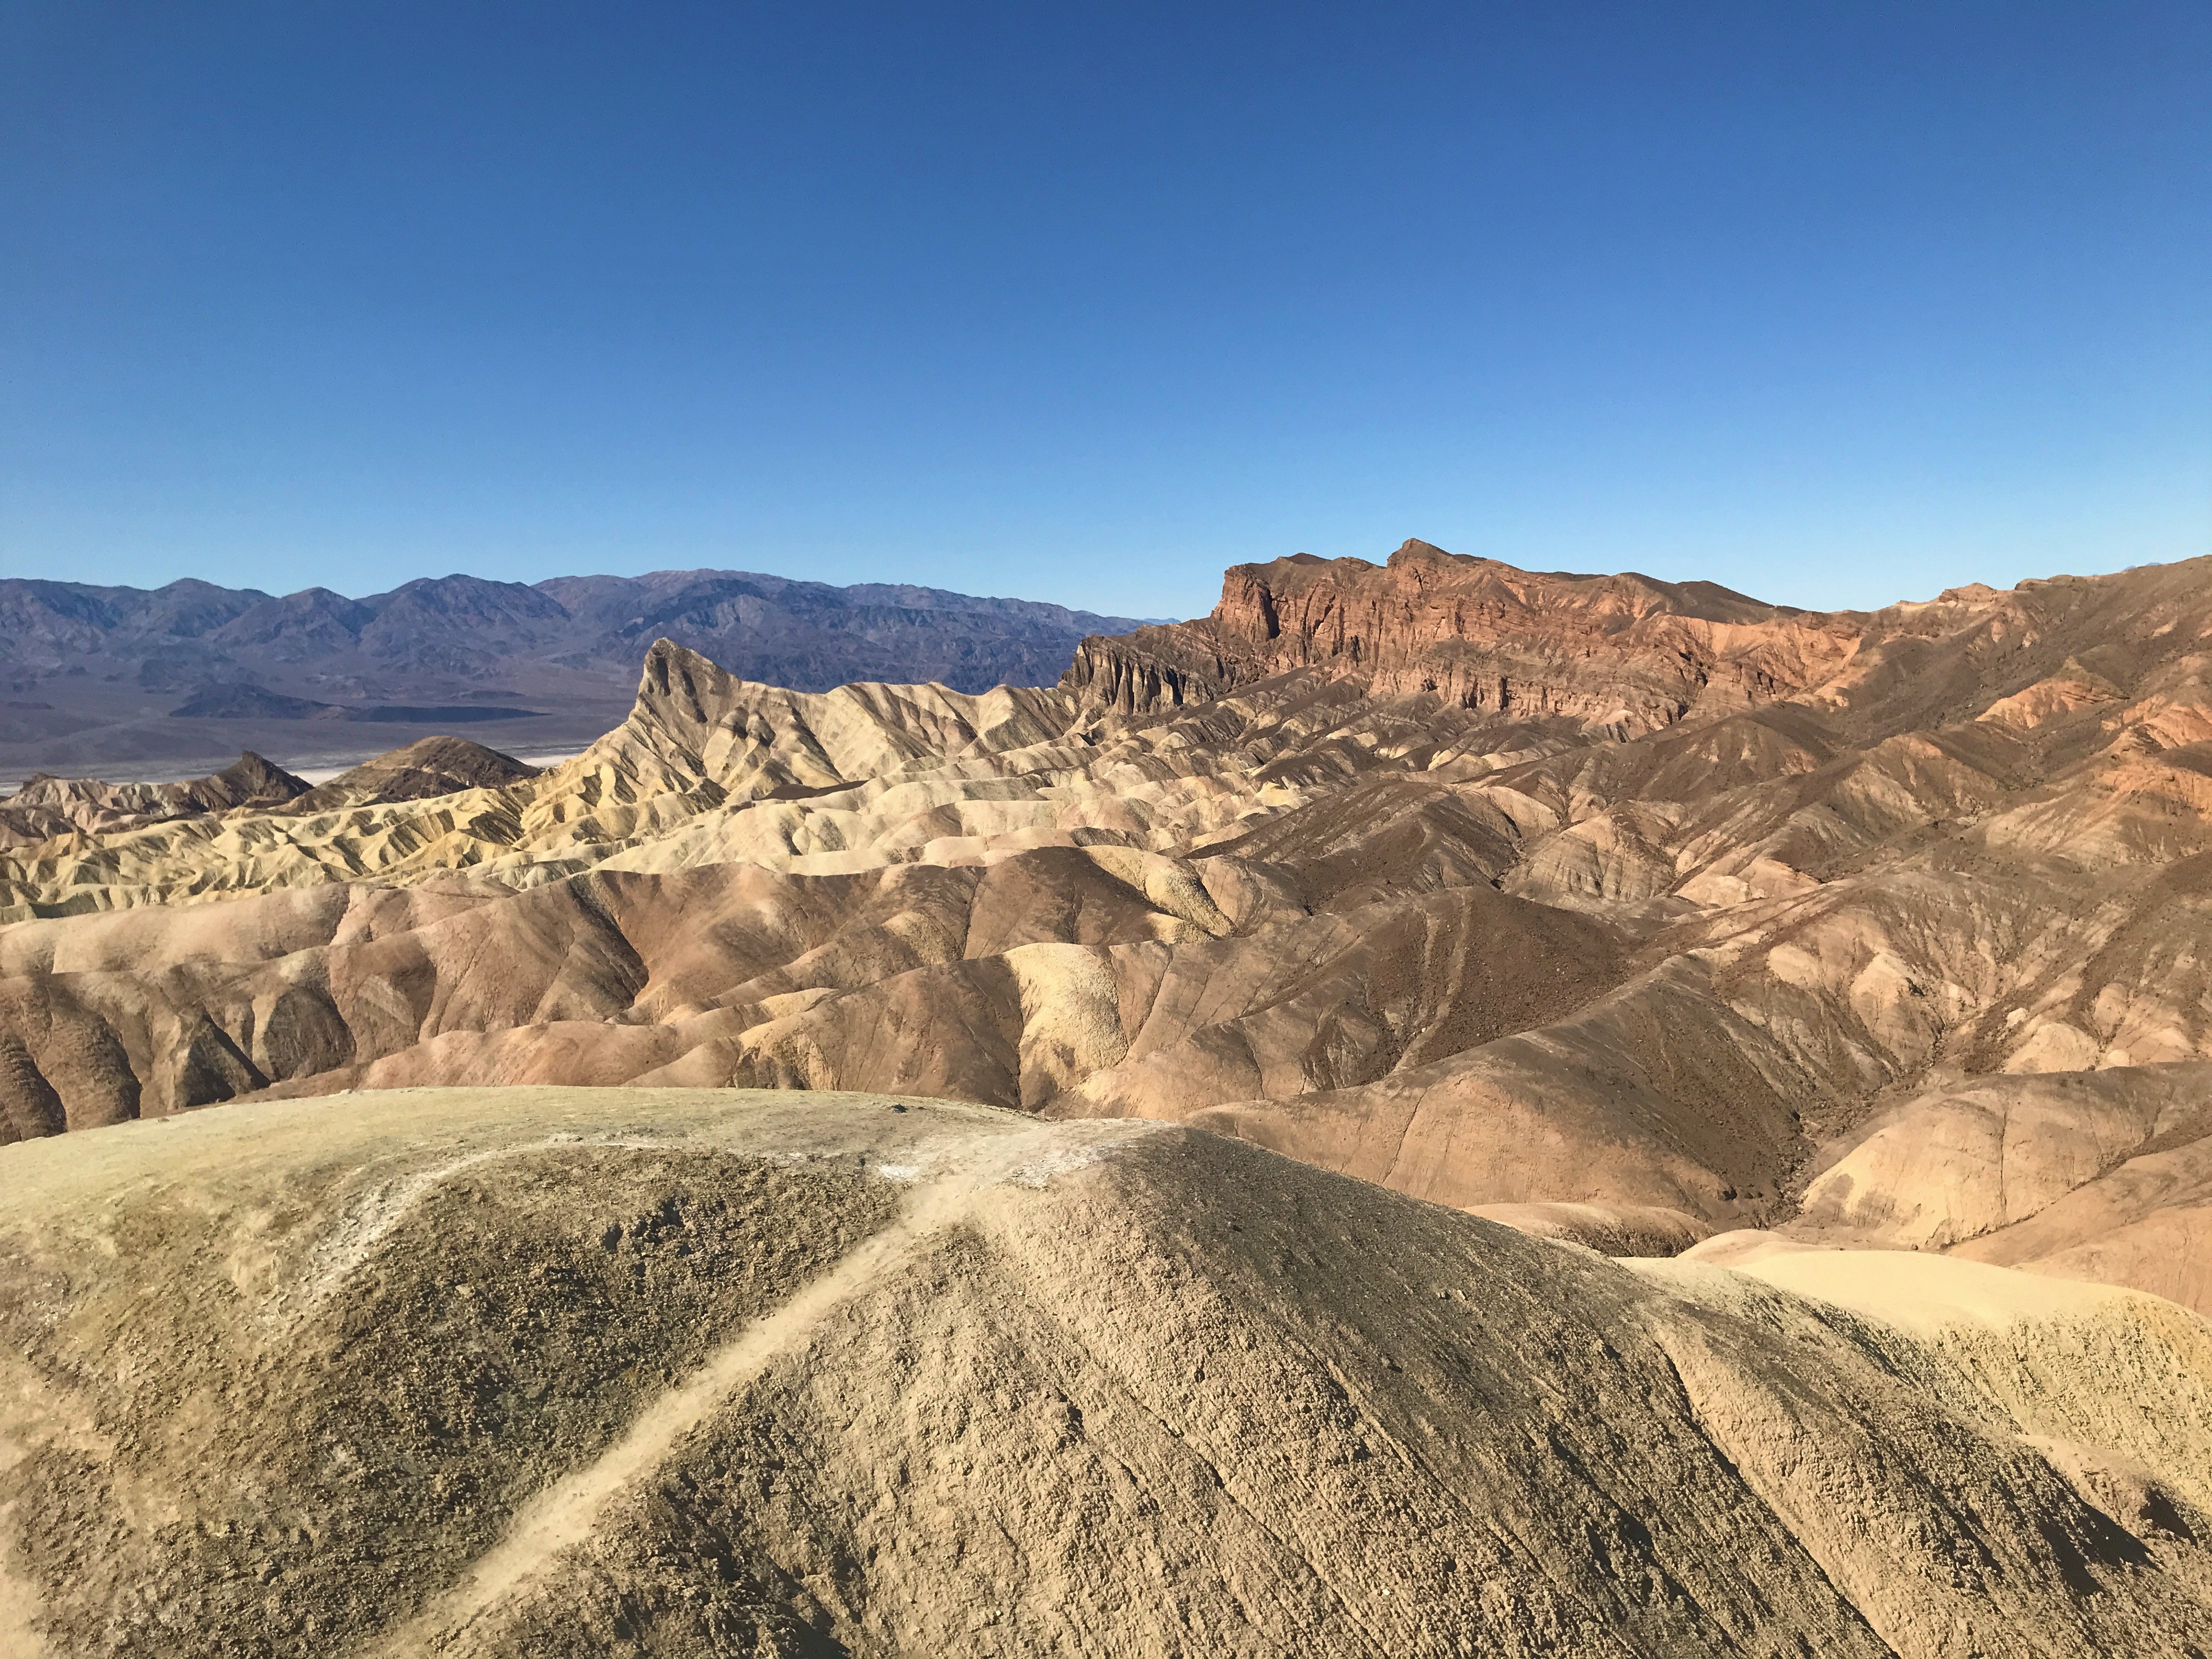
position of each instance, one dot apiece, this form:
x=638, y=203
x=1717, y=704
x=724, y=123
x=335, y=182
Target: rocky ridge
x=47, y=806
x=1624, y=655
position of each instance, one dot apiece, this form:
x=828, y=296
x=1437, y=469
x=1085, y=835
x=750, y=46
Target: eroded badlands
x=1683, y=912
x=1843, y=972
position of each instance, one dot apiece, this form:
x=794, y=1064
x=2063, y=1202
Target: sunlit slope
x=550, y=1371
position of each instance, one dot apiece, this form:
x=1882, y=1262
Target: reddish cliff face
x=1620, y=652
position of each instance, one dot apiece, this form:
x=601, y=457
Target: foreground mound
x=563, y=1371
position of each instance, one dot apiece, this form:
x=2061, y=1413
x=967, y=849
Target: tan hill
x=435, y=766
x=1643, y=910
x=47, y=806
x=554, y=1371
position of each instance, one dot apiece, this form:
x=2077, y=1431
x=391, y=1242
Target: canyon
x=1803, y=1011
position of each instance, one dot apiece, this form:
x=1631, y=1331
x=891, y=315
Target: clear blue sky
x=1835, y=303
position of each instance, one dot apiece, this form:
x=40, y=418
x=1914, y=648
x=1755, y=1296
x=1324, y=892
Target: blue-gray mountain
x=92, y=676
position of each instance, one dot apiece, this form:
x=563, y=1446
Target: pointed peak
x=256, y=779
x=667, y=663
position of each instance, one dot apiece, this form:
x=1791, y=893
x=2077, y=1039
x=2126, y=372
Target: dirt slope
x=554, y=1371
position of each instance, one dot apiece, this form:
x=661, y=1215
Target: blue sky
x=1834, y=303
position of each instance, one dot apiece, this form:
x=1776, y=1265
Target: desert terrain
x=1707, y=1149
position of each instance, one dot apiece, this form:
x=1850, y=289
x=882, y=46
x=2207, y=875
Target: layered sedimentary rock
x=48, y=806
x=1877, y=928
x=435, y=766
x=567, y=1372
x=1624, y=652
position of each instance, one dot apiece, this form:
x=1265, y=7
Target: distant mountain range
x=93, y=676
x=805, y=636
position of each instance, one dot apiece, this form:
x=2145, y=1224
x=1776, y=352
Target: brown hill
x=552, y=1372
x=435, y=766
x=1646, y=909
x=47, y=806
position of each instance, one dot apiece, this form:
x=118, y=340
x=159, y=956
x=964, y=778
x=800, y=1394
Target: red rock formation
x=1622, y=652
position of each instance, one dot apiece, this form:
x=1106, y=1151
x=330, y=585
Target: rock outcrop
x=1624, y=655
